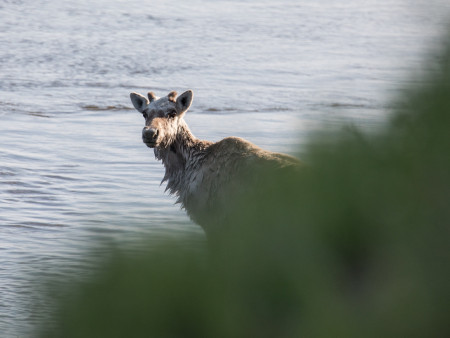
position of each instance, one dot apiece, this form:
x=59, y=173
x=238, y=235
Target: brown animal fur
x=204, y=175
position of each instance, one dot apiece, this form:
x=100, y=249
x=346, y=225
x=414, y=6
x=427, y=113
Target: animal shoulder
x=235, y=145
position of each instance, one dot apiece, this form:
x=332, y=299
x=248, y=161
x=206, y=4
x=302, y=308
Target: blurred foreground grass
x=354, y=245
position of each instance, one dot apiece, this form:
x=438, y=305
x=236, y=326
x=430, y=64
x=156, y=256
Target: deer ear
x=139, y=102
x=184, y=101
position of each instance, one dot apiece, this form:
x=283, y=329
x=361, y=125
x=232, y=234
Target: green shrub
x=355, y=244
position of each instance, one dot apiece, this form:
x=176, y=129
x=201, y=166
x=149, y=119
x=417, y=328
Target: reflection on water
x=73, y=170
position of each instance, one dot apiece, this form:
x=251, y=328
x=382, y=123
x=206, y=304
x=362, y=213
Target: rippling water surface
x=73, y=170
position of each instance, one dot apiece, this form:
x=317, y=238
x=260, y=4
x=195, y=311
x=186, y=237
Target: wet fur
x=203, y=174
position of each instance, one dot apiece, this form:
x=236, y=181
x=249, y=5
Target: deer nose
x=149, y=134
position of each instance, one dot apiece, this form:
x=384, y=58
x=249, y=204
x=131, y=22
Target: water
x=73, y=170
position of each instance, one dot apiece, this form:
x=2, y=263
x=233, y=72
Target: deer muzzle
x=149, y=136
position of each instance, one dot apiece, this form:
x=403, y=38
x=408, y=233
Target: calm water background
x=73, y=170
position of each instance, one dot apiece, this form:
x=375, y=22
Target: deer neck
x=181, y=154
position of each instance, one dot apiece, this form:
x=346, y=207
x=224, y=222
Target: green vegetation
x=356, y=244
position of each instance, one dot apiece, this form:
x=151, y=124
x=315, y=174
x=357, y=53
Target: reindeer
x=205, y=176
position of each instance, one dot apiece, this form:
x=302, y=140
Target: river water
x=74, y=172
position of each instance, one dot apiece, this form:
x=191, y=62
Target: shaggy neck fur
x=181, y=159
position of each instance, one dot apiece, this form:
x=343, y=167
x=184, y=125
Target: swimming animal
x=205, y=176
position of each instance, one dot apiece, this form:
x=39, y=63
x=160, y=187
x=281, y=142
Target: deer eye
x=172, y=114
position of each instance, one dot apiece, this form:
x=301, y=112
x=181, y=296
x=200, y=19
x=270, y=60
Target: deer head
x=162, y=116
